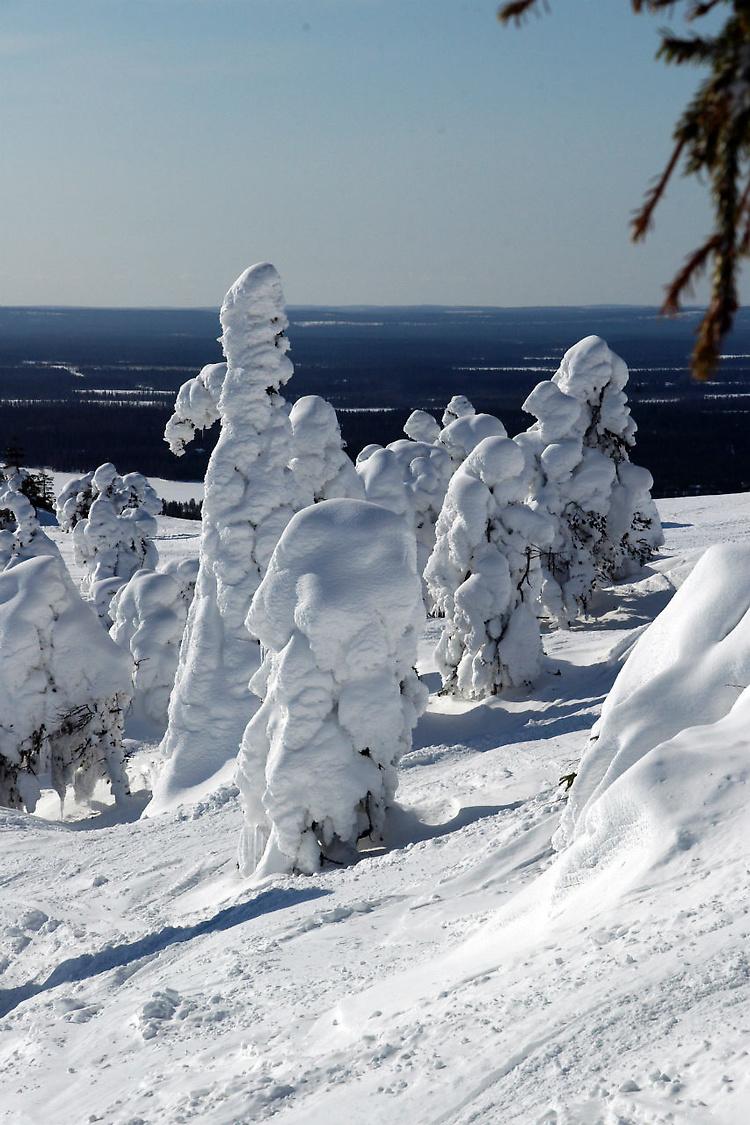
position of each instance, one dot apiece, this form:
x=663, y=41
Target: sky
x=376, y=151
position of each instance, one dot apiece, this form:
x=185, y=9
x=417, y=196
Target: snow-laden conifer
x=250, y=494
x=148, y=620
x=112, y=520
x=484, y=574
x=319, y=463
x=579, y=453
x=63, y=682
x=339, y=614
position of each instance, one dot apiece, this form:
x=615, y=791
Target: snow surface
x=462, y=973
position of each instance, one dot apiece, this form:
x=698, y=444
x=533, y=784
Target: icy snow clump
x=339, y=614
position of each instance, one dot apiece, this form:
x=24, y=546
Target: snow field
x=461, y=973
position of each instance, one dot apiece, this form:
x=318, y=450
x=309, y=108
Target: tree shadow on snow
x=403, y=826
x=116, y=956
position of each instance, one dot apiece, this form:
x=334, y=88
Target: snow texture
x=250, y=496
x=688, y=669
x=112, y=520
x=578, y=451
x=339, y=614
x=484, y=574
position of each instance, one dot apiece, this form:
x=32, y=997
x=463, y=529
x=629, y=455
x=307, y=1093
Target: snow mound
x=670, y=749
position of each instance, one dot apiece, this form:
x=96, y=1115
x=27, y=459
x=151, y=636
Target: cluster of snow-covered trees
x=292, y=639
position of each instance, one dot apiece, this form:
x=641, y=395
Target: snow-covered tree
x=63, y=686
x=579, y=453
x=484, y=574
x=339, y=614
x=112, y=520
x=250, y=495
x=149, y=614
x=320, y=465
x=20, y=534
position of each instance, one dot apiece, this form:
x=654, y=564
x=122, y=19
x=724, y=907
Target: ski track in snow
x=142, y=981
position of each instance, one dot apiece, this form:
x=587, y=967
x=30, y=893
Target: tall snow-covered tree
x=339, y=614
x=484, y=574
x=250, y=495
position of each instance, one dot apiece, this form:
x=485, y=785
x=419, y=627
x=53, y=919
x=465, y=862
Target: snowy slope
x=455, y=977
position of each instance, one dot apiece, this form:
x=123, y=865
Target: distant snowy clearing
x=464, y=972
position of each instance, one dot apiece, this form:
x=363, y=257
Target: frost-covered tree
x=484, y=574
x=63, y=684
x=112, y=520
x=579, y=454
x=20, y=534
x=339, y=614
x=149, y=614
x=319, y=463
x=250, y=495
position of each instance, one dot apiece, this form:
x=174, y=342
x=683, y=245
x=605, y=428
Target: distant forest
x=79, y=387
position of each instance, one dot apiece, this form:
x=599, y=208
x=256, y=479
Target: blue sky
x=377, y=151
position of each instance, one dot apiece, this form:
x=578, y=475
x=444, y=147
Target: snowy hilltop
x=463, y=970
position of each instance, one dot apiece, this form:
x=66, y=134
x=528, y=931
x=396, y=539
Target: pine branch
x=683, y=282
x=518, y=10
x=643, y=218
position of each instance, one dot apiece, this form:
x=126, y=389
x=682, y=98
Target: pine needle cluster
x=712, y=142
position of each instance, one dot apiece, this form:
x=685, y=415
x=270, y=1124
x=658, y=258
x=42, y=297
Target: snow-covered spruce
x=250, y=495
x=339, y=614
x=320, y=466
x=149, y=614
x=112, y=520
x=484, y=574
x=20, y=534
x=578, y=450
x=63, y=686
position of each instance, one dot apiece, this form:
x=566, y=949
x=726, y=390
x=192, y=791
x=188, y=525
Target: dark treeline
x=375, y=365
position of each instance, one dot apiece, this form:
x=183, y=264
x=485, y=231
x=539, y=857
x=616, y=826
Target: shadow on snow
x=115, y=956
